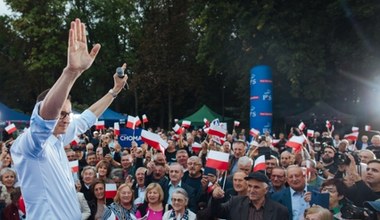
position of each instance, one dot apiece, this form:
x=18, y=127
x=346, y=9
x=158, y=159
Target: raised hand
x=78, y=57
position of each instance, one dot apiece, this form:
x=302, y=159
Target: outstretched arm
x=102, y=104
x=78, y=60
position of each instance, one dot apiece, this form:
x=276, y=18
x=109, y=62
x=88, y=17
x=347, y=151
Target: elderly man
x=182, y=157
x=366, y=156
x=286, y=159
x=278, y=179
x=297, y=196
x=244, y=165
x=254, y=205
x=238, y=148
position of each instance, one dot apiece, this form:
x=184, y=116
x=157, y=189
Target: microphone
x=120, y=74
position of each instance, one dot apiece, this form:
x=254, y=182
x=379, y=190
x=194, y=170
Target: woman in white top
x=179, y=203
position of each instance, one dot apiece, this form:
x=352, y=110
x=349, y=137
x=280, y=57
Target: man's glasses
x=64, y=114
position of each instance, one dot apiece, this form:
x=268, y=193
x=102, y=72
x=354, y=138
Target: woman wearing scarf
x=179, y=203
x=122, y=208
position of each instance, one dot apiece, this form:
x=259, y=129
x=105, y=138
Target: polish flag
x=186, y=124
x=206, y=130
x=275, y=142
x=352, y=136
x=254, y=133
x=75, y=142
x=137, y=121
x=296, y=142
x=210, y=187
x=196, y=147
x=116, y=128
x=259, y=163
x=11, y=128
x=301, y=126
x=131, y=122
x=310, y=133
x=111, y=190
x=217, y=131
x=217, y=160
x=145, y=119
x=218, y=140
x=207, y=123
x=177, y=129
x=328, y=124
x=355, y=129
x=99, y=125
x=154, y=140
x=21, y=205
x=236, y=123
x=74, y=166
x=367, y=128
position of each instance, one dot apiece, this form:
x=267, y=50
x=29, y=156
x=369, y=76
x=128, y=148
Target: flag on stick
x=145, y=118
x=259, y=164
x=11, y=128
x=218, y=160
x=99, y=125
x=296, y=142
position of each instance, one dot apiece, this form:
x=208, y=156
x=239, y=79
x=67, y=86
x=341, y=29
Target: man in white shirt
x=46, y=181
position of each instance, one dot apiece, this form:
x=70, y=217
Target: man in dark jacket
x=256, y=205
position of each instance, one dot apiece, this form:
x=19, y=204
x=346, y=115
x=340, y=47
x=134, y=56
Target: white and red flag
x=99, y=125
x=218, y=160
x=177, y=129
x=367, y=128
x=218, y=140
x=355, y=129
x=145, y=118
x=154, y=140
x=254, y=133
x=328, y=124
x=131, y=122
x=275, y=142
x=207, y=123
x=301, y=126
x=11, y=128
x=259, y=163
x=310, y=133
x=74, y=166
x=217, y=130
x=236, y=123
x=111, y=190
x=352, y=136
x=296, y=142
x=137, y=121
x=186, y=124
x=116, y=128
x=196, y=147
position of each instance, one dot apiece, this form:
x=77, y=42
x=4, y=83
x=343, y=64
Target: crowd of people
x=327, y=177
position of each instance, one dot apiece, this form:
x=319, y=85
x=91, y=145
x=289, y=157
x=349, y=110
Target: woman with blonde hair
x=122, y=208
x=180, y=199
x=317, y=212
x=153, y=206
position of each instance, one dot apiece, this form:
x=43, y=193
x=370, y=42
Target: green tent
x=204, y=112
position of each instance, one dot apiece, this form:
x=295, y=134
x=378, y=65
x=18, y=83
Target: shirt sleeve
x=79, y=125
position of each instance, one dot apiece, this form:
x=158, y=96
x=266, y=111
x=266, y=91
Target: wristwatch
x=113, y=93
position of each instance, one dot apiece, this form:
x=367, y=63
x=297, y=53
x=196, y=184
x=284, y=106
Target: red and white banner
x=137, y=121
x=111, y=190
x=196, y=147
x=99, y=125
x=177, y=129
x=367, y=128
x=116, y=128
x=301, y=126
x=154, y=140
x=296, y=142
x=352, y=136
x=186, y=124
x=217, y=130
x=259, y=163
x=328, y=124
x=310, y=133
x=217, y=160
x=131, y=122
x=236, y=123
x=355, y=129
x=74, y=166
x=11, y=128
x=254, y=133
x=145, y=118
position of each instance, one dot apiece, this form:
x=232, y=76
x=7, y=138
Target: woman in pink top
x=152, y=207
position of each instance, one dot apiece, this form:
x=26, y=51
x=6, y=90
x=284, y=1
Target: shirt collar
x=178, y=185
x=293, y=192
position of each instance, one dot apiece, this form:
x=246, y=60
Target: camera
x=343, y=159
x=350, y=211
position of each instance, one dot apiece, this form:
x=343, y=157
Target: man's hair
x=43, y=94
x=374, y=161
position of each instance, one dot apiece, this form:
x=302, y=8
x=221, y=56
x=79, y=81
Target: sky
x=4, y=9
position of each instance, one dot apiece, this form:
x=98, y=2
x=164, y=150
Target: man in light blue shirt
x=42, y=166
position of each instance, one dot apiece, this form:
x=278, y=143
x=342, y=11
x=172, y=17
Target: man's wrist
x=113, y=93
